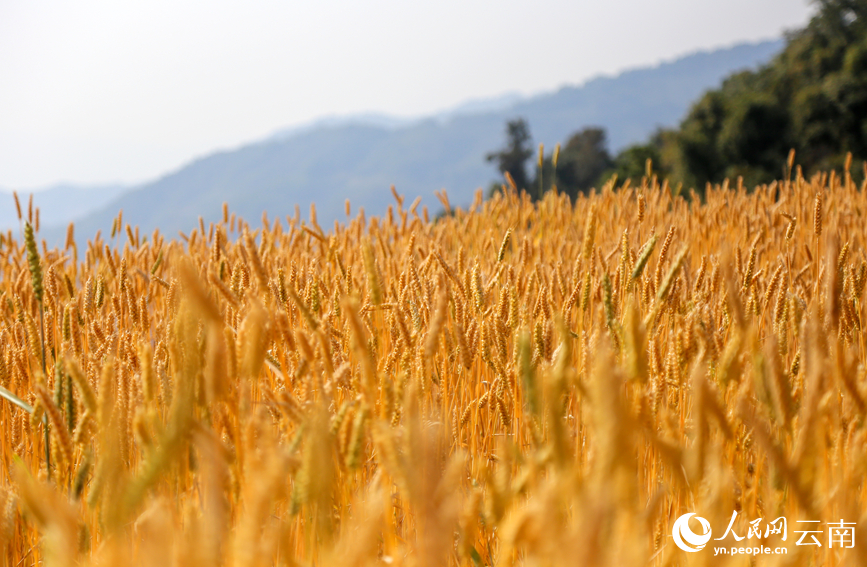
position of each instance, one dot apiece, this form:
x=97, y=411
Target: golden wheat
x=406, y=392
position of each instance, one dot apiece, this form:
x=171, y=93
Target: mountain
x=387, y=122
x=58, y=205
x=358, y=158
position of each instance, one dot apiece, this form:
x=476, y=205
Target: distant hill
x=360, y=157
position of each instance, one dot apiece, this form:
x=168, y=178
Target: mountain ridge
x=328, y=164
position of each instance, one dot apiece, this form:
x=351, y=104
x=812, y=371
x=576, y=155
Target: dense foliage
x=811, y=98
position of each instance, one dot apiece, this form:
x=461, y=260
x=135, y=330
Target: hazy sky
x=97, y=91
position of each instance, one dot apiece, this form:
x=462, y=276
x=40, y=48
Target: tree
x=582, y=161
x=514, y=156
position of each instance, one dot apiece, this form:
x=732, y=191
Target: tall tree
x=513, y=157
x=582, y=161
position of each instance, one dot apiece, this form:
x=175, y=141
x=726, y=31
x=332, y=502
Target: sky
x=108, y=91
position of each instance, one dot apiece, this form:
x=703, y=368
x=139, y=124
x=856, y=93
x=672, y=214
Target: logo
x=685, y=538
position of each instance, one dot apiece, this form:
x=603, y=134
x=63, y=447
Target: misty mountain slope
x=272, y=176
x=330, y=163
x=634, y=103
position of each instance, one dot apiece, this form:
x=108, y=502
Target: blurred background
x=168, y=109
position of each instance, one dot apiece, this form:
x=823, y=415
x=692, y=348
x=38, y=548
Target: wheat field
x=519, y=383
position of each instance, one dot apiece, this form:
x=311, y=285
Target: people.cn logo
x=685, y=538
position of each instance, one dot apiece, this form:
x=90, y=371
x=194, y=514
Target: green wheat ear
x=33, y=261
x=36, y=280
